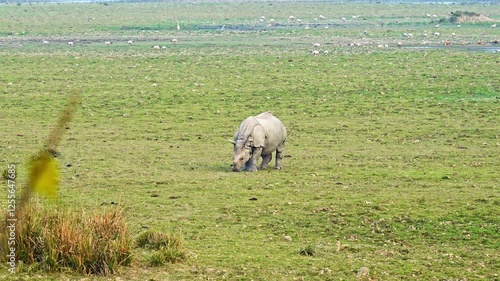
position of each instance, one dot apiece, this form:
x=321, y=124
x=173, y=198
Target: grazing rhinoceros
x=257, y=136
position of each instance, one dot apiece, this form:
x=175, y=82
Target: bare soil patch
x=461, y=16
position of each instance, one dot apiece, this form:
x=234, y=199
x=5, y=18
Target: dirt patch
x=460, y=16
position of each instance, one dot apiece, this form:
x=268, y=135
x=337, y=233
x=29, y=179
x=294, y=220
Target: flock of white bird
x=315, y=46
x=446, y=42
x=109, y=43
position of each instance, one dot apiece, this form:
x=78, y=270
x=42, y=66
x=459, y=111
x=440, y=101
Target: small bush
x=308, y=251
x=55, y=239
x=167, y=255
x=168, y=248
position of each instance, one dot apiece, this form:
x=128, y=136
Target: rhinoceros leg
x=251, y=165
x=265, y=160
x=279, y=156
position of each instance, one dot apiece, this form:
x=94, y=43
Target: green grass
x=168, y=248
x=391, y=162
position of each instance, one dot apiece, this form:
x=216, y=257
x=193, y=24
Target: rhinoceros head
x=242, y=153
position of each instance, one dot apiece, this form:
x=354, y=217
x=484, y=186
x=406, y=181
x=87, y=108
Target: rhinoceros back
x=274, y=129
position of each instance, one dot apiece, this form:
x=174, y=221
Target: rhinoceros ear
x=232, y=141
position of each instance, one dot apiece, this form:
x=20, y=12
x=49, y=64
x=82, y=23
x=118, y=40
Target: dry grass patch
x=56, y=239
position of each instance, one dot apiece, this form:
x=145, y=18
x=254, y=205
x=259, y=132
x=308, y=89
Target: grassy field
x=392, y=161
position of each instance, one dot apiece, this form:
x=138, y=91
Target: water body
x=484, y=49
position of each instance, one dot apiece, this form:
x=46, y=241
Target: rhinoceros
x=258, y=136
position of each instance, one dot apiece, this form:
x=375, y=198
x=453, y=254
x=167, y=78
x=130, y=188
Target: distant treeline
x=269, y=1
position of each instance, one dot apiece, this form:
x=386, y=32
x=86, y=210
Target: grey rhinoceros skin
x=258, y=136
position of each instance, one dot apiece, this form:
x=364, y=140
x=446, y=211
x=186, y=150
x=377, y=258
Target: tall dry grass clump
x=56, y=239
